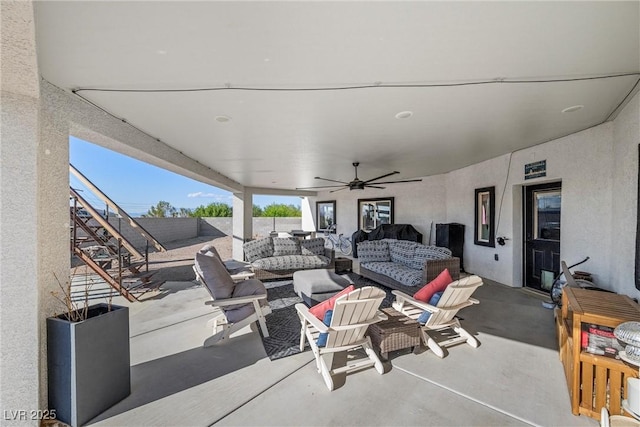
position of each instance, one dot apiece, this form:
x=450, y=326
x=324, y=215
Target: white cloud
x=201, y=194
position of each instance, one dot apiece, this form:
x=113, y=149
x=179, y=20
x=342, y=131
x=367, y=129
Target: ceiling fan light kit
x=357, y=183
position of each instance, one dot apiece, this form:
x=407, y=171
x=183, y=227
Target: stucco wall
x=626, y=138
x=421, y=204
x=598, y=168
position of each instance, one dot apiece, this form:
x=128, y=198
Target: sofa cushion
x=402, y=251
x=216, y=278
x=401, y=273
x=373, y=251
x=292, y=262
x=438, y=284
x=256, y=249
x=286, y=246
x=424, y=253
x=245, y=288
x=312, y=246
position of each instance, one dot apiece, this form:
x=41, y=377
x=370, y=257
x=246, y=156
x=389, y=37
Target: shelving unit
x=593, y=381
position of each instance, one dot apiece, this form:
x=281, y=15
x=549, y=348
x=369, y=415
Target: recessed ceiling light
x=222, y=119
x=573, y=109
x=404, y=114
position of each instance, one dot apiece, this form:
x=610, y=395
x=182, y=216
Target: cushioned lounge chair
x=237, y=304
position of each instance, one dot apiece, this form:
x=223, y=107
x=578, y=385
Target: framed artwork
x=325, y=215
x=374, y=212
x=484, y=230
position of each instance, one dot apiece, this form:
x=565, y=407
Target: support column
x=242, y=221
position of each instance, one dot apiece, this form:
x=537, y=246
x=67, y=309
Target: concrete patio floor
x=513, y=378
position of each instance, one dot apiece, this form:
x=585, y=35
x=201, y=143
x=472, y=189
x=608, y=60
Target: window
x=374, y=212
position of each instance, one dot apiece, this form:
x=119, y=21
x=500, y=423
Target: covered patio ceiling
x=272, y=94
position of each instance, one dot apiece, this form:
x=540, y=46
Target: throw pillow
x=436, y=285
x=373, y=251
x=286, y=246
x=402, y=251
x=322, y=338
x=434, y=302
x=320, y=309
x=312, y=246
x=258, y=249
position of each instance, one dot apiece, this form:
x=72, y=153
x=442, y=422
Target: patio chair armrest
x=234, y=301
x=303, y=311
x=404, y=298
x=379, y=317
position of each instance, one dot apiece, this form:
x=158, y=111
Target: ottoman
x=315, y=286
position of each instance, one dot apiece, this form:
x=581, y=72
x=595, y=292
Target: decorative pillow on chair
x=319, y=310
x=322, y=338
x=434, y=302
x=286, y=246
x=436, y=285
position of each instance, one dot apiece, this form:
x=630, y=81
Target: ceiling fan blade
x=382, y=176
x=374, y=186
x=332, y=180
x=339, y=189
x=395, y=182
x=321, y=186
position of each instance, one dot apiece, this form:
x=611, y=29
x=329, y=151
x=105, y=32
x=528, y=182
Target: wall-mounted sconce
x=502, y=240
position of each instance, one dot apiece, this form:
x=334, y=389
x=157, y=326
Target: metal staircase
x=113, y=263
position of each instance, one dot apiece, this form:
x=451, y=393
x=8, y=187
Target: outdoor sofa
x=280, y=257
x=404, y=265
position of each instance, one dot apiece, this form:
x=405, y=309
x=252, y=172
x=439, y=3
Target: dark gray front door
x=542, y=206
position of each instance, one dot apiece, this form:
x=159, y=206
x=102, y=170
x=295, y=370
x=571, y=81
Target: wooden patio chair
x=456, y=296
x=352, y=314
x=236, y=303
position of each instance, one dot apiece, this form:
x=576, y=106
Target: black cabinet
x=451, y=236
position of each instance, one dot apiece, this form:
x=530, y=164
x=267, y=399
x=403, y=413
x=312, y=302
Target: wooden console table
x=593, y=380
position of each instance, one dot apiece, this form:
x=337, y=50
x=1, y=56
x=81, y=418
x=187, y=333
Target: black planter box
x=88, y=363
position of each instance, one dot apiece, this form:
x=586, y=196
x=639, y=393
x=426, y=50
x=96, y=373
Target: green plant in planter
x=87, y=358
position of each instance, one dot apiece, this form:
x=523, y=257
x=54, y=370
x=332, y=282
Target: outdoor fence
x=170, y=229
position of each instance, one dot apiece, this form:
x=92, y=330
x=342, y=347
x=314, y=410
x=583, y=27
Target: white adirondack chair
x=457, y=296
x=247, y=304
x=352, y=314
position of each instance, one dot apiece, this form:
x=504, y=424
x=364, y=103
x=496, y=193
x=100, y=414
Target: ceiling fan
x=358, y=184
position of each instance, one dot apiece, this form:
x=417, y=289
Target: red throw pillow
x=320, y=309
x=436, y=285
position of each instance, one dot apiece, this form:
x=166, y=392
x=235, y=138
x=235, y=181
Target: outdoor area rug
x=283, y=322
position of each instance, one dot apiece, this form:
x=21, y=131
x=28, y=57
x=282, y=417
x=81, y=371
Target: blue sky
x=136, y=186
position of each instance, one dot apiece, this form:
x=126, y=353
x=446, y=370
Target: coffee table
x=396, y=333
